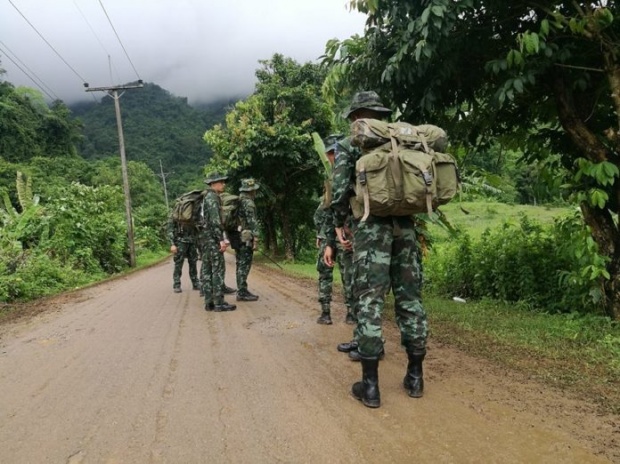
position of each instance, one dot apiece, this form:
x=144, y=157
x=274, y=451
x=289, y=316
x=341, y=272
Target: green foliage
x=29, y=274
x=88, y=227
x=268, y=136
x=542, y=267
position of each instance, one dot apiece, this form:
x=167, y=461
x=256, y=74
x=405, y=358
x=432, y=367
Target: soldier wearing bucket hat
x=324, y=224
x=248, y=227
x=386, y=257
x=213, y=242
x=368, y=101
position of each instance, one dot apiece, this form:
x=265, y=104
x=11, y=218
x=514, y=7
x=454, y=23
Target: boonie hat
x=248, y=185
x=215, y=177
x=368, y=100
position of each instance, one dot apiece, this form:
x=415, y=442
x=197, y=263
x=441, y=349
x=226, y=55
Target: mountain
x=157, y=127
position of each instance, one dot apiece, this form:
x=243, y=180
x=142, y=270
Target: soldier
x=386, y=256
x=248, y=226
x=324, y=223
x=214, y=242
x=183, y=245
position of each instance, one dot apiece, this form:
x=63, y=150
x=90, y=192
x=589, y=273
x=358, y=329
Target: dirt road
x=130, y=372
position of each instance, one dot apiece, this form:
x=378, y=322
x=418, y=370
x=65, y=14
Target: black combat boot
x=228, y=290
x=224, y=307
x=176, y=289
x=346, y=347
x=355, y=355
x=350, y=318
x=325, y=317
x=367, y=391
x=210, y=306
x=414, y=382
x=246, y=296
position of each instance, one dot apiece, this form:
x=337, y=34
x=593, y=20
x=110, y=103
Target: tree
x=268, y=136
x=540, y=76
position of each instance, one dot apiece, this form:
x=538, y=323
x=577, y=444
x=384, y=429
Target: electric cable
x=111, y=65
x=40, y=84
x=49, y=45
x=119, y=39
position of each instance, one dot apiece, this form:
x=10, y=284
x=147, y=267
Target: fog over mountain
x=203, y=50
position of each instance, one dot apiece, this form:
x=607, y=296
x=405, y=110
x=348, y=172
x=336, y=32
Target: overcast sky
x=200, y=49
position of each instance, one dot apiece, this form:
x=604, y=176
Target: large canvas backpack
x=405, y=175
x=187, y=208
x=230, y=212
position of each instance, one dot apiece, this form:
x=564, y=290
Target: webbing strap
x=395, y=167
x=365, y=194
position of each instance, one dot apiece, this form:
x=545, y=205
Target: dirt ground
x=130, y=372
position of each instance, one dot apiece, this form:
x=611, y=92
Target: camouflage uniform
x=211, y=234
x=324, y=223
x=249, y=233
x=185, y=239
x=385, y=256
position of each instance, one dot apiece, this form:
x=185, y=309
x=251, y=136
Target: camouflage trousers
x=212, y=271
x=243, y=258
x=189, y=251
x=344, y=258
x=386, y=256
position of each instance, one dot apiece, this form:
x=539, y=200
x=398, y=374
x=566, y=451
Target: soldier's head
x=217, y=181
x=249, y=186
x=366, y=104
x=330, y=143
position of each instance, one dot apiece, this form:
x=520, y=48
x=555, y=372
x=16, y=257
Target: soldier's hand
x=346, y=244
x=223, y=246
x=328, y=256
x=173, y=249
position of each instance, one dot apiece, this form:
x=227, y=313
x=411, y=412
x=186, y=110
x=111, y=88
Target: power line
x=42, y=84
x=119, y=39
x=50, y=45
x=98, y=40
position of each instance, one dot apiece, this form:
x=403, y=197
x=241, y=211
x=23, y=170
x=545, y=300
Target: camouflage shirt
x=247, y=213
x=178, y=233
x=212, y=227
x=343, y=183
x=323, y=220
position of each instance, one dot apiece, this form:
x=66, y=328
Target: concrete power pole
x=163, y=178
x=113, y=92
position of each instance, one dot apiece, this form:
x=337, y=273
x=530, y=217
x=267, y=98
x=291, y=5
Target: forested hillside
x=158, y=126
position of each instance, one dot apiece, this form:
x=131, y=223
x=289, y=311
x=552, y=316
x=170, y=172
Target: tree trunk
x=605, y=234
x=604, y=229
x=287, y=235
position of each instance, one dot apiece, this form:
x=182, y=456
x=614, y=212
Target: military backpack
x=407, y=173
x=230, y=212
x=187, y=208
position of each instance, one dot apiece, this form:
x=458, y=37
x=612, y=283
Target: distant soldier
x=326, y=236
x=183, y=245
x=248, y=240
x=214, y=242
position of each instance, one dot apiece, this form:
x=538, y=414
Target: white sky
x=200, y=49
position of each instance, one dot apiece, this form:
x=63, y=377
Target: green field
x=476, y=217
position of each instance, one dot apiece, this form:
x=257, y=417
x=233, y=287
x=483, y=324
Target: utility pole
x=163, y=178
x=113, y=92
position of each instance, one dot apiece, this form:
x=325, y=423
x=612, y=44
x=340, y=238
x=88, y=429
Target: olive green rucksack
x=187, y=208
x=230, y=211
x=405, y=175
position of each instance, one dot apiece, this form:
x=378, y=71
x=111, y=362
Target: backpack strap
x=397, y=173
x=364, y=184
x=428, y=177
